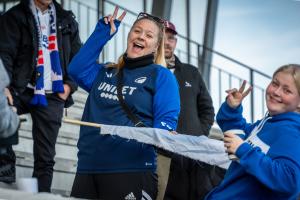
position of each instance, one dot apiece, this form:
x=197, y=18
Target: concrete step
x=76, y=110
x=80, y=95
x=65, y=145
x=64, y=172
x=68, y=133
x=66, y=149
x=61, y=164
x=62, y=150
x=9, y=193
x=65, y=159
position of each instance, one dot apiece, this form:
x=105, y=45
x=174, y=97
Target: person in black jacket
x=190, y=179
x=9, y=124
x=37, y=42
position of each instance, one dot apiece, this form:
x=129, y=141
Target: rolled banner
x=200, y=148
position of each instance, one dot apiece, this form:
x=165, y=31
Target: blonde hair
x=292, y=69
x=159, y=57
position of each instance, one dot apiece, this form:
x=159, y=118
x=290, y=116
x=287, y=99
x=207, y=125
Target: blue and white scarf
x=39, y=97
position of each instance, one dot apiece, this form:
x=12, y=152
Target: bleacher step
x=66, y=149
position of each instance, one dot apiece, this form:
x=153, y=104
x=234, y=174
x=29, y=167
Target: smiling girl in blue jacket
x=268, y=165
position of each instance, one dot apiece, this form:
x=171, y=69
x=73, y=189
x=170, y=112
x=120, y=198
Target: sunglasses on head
x=146, y=15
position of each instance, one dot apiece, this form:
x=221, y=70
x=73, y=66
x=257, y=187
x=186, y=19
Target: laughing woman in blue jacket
x=268, y=165
x=110, y=167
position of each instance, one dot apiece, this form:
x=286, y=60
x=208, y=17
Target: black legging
x=133, y=185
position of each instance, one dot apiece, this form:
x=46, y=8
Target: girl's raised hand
x=110, y=19
x=235, y=97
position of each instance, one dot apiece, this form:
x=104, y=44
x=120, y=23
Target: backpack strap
x=137, y=122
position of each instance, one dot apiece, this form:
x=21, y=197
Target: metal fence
x=226, y=72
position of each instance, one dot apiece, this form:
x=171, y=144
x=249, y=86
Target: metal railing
x=226, y=72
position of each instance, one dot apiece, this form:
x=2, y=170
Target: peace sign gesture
x=110, y=19
x=235, y=97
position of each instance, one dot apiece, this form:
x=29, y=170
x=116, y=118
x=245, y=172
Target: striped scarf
x=39, y=98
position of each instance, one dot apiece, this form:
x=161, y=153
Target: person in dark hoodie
x=37, y=41
x=110, y=167
x=268, y=161
x=189, y=179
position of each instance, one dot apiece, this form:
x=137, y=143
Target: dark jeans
x=46, y=122
x=191, y=180
x=131, y=185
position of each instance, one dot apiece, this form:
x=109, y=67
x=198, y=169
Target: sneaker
x=7, y=166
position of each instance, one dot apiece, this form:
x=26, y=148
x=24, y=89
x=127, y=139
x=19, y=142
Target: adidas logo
x=130, y=196
x=187, y=84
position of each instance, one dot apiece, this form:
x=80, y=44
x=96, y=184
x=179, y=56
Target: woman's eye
x=274, y=83
x=149, y=36
x=287, y=91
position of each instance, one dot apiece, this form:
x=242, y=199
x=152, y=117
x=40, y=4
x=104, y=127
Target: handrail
x=234, y=60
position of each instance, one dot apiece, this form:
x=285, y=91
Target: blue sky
x=264, y=34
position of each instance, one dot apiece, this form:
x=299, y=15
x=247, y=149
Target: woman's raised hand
x=110, y=19
x=235, y=97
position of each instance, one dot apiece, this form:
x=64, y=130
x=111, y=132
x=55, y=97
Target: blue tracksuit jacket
x=269, y=163
x=150, y=91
